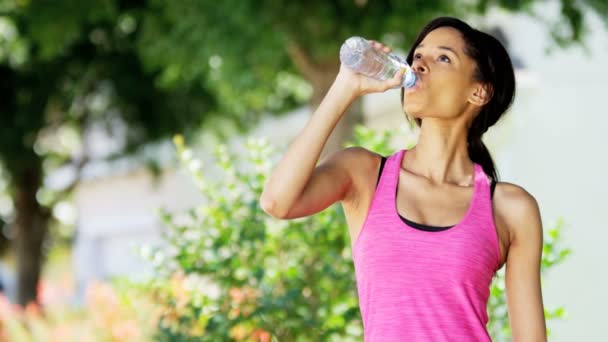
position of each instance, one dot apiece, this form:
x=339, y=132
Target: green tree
x=67, y=67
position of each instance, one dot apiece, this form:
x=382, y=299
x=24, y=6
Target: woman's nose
x=419, y=67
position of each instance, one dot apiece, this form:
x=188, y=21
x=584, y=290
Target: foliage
x=70, y=74
x=266, y=277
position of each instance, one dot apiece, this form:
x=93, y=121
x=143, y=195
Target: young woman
x=429, y=226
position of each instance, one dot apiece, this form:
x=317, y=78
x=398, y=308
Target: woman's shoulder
x=514, y=196
x=516, y=208
x=359, y=157
x=363, y=165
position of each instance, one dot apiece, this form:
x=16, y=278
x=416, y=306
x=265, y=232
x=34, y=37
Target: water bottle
x=360, y=56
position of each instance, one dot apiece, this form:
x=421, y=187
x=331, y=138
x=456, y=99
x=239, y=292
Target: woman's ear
x=482, y=93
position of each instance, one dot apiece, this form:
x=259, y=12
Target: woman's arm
x=296, y=179
x=297, y=187
x=523, y=288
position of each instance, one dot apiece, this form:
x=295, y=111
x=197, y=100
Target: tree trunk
x=31, y=225
x=345, y=128
x=321, y=75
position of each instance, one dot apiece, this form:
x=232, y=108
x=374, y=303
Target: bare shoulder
x=363, y=166
x=514, y=196
x=357, y=158
x=517, y=210
x=355, y=153
x=360, y=163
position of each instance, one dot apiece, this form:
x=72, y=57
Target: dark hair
x=494, y=68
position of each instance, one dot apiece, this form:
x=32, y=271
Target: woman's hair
x=493, y=68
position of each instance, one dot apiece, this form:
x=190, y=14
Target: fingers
x=381, y=86
x=379, y=46
x=397, y=80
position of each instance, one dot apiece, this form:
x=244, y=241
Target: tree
x=68, y=67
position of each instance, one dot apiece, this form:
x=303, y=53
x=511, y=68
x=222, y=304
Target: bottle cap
x=409, y=78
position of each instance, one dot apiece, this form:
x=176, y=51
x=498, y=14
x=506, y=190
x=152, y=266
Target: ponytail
x=478, y=152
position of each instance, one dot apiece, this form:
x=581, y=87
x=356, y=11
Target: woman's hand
x=361, y=85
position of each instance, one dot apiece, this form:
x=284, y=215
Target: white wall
x=556, y=150
x=118, y=214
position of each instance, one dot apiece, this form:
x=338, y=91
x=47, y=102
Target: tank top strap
x=382, y=202
x=390, y=174
x=482, y=189
x=480, y=175
x=484, y=212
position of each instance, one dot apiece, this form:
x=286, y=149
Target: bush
x=231, y=272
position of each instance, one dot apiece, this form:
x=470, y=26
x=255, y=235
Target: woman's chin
x=413, y=110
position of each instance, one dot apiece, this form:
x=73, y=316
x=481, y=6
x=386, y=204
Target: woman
x=429, y=226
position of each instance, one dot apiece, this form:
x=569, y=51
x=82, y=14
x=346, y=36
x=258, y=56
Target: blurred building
x=550, y=143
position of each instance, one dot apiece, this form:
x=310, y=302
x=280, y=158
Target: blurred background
x=135, y=138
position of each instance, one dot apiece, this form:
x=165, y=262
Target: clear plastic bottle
x=360, y=56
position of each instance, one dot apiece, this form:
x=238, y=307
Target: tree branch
x=302, y=59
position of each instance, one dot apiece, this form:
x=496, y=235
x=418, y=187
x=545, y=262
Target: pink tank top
x=416, y=285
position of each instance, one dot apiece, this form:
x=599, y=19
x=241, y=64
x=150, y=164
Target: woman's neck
x=441, y=154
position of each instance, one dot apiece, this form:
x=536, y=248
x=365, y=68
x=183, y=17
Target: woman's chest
x=395, y=252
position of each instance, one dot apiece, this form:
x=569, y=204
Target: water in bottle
x=359, y=55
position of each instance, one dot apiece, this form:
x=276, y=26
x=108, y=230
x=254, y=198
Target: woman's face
x=445, y=86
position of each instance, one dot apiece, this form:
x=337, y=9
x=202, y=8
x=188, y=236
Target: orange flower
x=8, y=310
x=261, y=335
x=32, y=311
x=243, y=294
x=126, y=331
x=61, y=333
x=237, y=295
x=234, y=313
x=101, y=294
x=179, y=290
x=251, y=293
